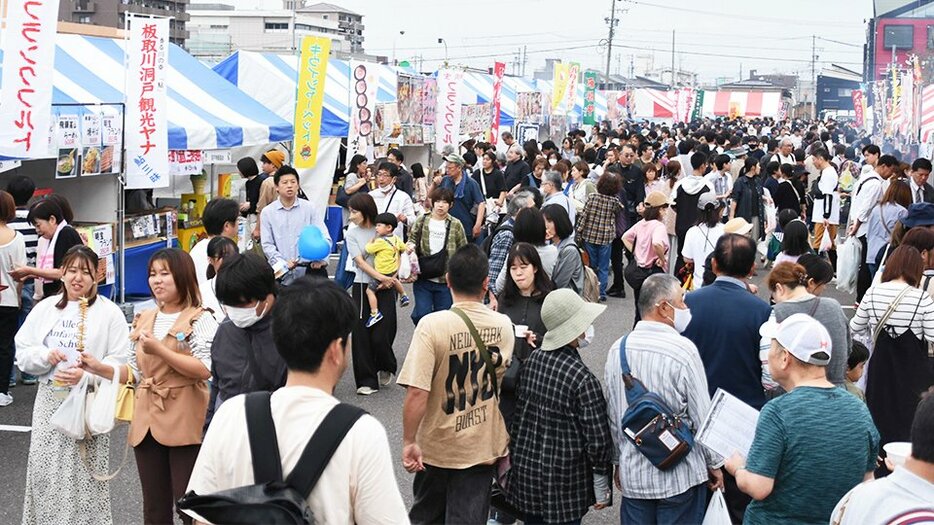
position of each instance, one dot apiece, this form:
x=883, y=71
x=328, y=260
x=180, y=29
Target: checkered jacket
x=560, y=437
x=596, y=223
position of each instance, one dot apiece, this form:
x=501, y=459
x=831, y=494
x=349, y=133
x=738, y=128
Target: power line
x=733, y=16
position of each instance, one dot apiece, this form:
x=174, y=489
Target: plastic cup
x=897, y=451
x=521, y=329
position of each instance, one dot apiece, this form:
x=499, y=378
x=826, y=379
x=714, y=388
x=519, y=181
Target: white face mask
x=552, y=161
x=682, y=319
x=386, y=189
x=244, y=317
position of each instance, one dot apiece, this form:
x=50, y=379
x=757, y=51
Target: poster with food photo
x=67, y=135
x=91, y=142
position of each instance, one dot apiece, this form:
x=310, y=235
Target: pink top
x=642, y=236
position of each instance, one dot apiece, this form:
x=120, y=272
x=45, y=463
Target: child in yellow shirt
x=385, y=249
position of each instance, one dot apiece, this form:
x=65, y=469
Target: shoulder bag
x=271, y=499
x=436, y=264
x=650, y=424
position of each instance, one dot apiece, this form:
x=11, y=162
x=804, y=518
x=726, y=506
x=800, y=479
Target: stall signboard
x=111, y=141
x=91, y=143
x=529, y=107
x=590, y=98
x=476, y=119
x=360, y=139
x=185, y=162
x=448, y=108
x=147, y=133
x=388, y=125
x=429, y=95
x=499, y=70
x=858, y=107
x=68, y=146
x=217, y=156
x=7, y=165
x=570, y=94
x=526, y=132
x=28, y=46
x=309, y=100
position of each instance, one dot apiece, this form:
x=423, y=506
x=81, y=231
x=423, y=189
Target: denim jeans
x=687, y=507
x=429, y=297
x=600, y=263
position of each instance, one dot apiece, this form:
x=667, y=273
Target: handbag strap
x=484, y=352
x=321, y=447
x=633, y=387
x=888, y=313
x=83, y=452
x=389, y=202
x=264, y=446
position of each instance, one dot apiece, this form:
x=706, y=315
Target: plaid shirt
x=560, y=437
x=499, y=251
x=419, y=236
x=596, y=223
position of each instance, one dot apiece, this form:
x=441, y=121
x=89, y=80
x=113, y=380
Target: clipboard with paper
x=730, y=425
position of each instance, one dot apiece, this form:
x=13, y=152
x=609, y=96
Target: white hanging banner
x=28, y=66
x=147, y=132
x=448, y=108
x=360, y=138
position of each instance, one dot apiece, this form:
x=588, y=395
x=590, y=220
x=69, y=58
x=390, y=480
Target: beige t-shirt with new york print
x=463, y=426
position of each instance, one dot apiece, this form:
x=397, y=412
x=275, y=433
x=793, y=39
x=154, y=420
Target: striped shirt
x=29, y=235
x=915, y=311
x=201, y=339
x=669, y=365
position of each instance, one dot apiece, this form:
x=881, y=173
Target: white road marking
x=15, y=428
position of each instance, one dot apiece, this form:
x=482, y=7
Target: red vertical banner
x=858, y=106
x=499, y=69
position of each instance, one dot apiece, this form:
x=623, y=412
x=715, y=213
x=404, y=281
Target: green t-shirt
x=817, y=444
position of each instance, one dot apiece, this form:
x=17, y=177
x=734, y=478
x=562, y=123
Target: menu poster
x=68, y=144
x=185, y=162
x=91, y=140
x=103, y=239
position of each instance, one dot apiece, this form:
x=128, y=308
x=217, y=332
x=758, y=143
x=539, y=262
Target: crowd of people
x=511, y=251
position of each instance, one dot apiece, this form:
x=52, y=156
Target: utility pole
x=814, y=75
x=741, y=71
x=609, y=41
x=672, y=58
x=632, y=65
x=525, y=57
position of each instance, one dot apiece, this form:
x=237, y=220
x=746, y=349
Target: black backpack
x=488, y=242
x=271, y=500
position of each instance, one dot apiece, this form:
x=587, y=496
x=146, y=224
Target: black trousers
x=863, y=278
x=616, y=262
x=163, y=474
x=452, y=496
x=9, y=318
x=372, y=347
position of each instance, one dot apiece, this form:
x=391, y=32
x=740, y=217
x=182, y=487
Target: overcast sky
x=715, y=38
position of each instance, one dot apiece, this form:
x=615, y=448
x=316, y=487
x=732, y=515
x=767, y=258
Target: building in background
x=349, y=24
x=112, y=13
x=835, y=86
x=898, y=29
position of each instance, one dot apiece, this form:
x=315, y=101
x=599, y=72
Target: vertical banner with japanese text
x=309, y=100
x=590, y=98
x=858, y=107
x=147, y=133
x=570, y=93
x=559, y=86
x=360, y=139
x=448, y=108
x=499, y=70
x=28, y=46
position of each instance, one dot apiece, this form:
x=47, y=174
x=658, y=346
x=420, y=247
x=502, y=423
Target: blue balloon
x=312, y=246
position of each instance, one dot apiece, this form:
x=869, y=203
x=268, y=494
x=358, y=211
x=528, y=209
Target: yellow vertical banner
x=309, y=99
x=560, y=85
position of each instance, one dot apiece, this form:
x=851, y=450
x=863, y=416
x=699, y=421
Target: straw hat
x=737, y=225
x=566, y=316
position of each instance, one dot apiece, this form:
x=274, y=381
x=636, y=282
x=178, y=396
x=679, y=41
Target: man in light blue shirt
x=282, y=222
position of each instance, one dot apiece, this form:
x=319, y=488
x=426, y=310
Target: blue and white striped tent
x=204, y=111
x=252, y=72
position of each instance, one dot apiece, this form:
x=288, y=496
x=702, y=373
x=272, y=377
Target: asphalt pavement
x=385, y=405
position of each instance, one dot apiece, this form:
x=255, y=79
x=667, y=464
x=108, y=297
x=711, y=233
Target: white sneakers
x=5, y=400
x=385, y=378
x=365, y=391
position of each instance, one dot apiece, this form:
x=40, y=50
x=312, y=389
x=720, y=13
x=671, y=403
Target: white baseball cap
x=803, y=336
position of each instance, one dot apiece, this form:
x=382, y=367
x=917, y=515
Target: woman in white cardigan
x=60, y=487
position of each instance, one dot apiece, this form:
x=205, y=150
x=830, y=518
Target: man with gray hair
x=785, y=154
x=669, y=365
x=517, y=169
x=501, y=239
x=551, y=190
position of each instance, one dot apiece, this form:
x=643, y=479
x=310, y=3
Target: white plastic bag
x=101, y=411
x=716, y=510
x=69, y=418
x=405, y=266
x=848, y=257
x=825, y=242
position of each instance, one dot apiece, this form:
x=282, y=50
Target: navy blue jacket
x=725, y=322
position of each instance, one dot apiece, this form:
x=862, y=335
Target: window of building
x=276, y=27
x=325, y=17
x=899, y=37
x=930, y=37
x=84, y=20
x=219, y=26
x=844, y=92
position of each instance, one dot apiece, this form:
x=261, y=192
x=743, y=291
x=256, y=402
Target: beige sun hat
x=566, y=316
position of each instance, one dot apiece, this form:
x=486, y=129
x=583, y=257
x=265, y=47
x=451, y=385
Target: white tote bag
x=405, y=266
x=102, y=406
x=716, y=510
x=69, y=418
